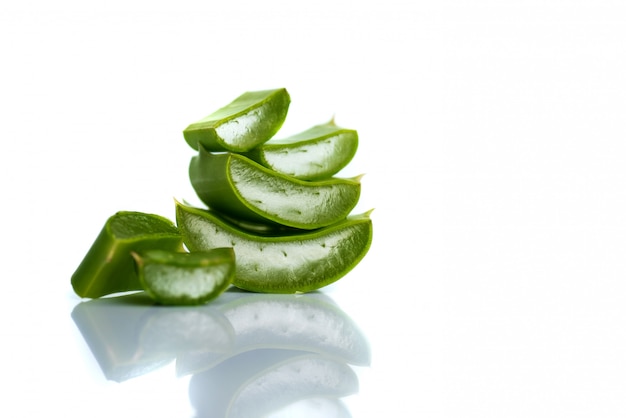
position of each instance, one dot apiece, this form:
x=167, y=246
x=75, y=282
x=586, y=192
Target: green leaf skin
x=108, y=266
x=281, y=264
x=178, y=278
x=315, y=154
x=248, y=121
x=235, y=185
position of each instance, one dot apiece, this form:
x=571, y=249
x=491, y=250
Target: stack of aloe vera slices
x=275, y=202
x=276, y=219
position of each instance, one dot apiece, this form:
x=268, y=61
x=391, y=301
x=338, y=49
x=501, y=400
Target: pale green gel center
x=173, y=281
x=236, y=130
x=278, y=261
x=309, y=158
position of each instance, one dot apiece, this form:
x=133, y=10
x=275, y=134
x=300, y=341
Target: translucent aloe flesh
x=248, y=121
x=178, y=278
x=108, y=266
x=235, y=185
x=281, y=264
x=317, y=153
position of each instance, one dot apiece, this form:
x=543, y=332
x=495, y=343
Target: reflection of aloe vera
x=309, y=322
x=246, y=352
x=261, y=382
x=130, y=336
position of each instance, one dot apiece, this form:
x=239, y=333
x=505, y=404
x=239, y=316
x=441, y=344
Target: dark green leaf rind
x=108, y=266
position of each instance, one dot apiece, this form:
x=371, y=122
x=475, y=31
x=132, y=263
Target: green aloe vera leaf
x=233, y=184
x=108, y=266
x=314, y=154
x=248, y=121
x=282, y=264
x=179, y=278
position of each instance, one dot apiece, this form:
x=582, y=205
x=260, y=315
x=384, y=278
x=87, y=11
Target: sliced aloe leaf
x=178, y=278
x=233, y=184
x=280, y=264
x=315, y=154
x=249, y=120
x=108, y=266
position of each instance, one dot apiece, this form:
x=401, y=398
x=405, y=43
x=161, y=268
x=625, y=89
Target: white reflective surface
x=492, y=138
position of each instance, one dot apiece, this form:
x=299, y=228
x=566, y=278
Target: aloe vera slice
x=233, y=184
x=280, y=264
x=178, y=278
x=314, y=154
x=108, y=266
x=249, y=120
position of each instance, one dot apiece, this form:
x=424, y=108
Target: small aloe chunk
x=246, y=122
x=314, y=154
x=233, y=184
x=108, y=266
x=179, y=278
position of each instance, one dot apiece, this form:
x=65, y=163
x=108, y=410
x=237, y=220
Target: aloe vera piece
x=249, y=120
x=178, y=278
x=314, y=154
x=233, y=184
x=108, y=266
x=280, y=264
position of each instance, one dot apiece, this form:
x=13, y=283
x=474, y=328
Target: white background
x=492, y=138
